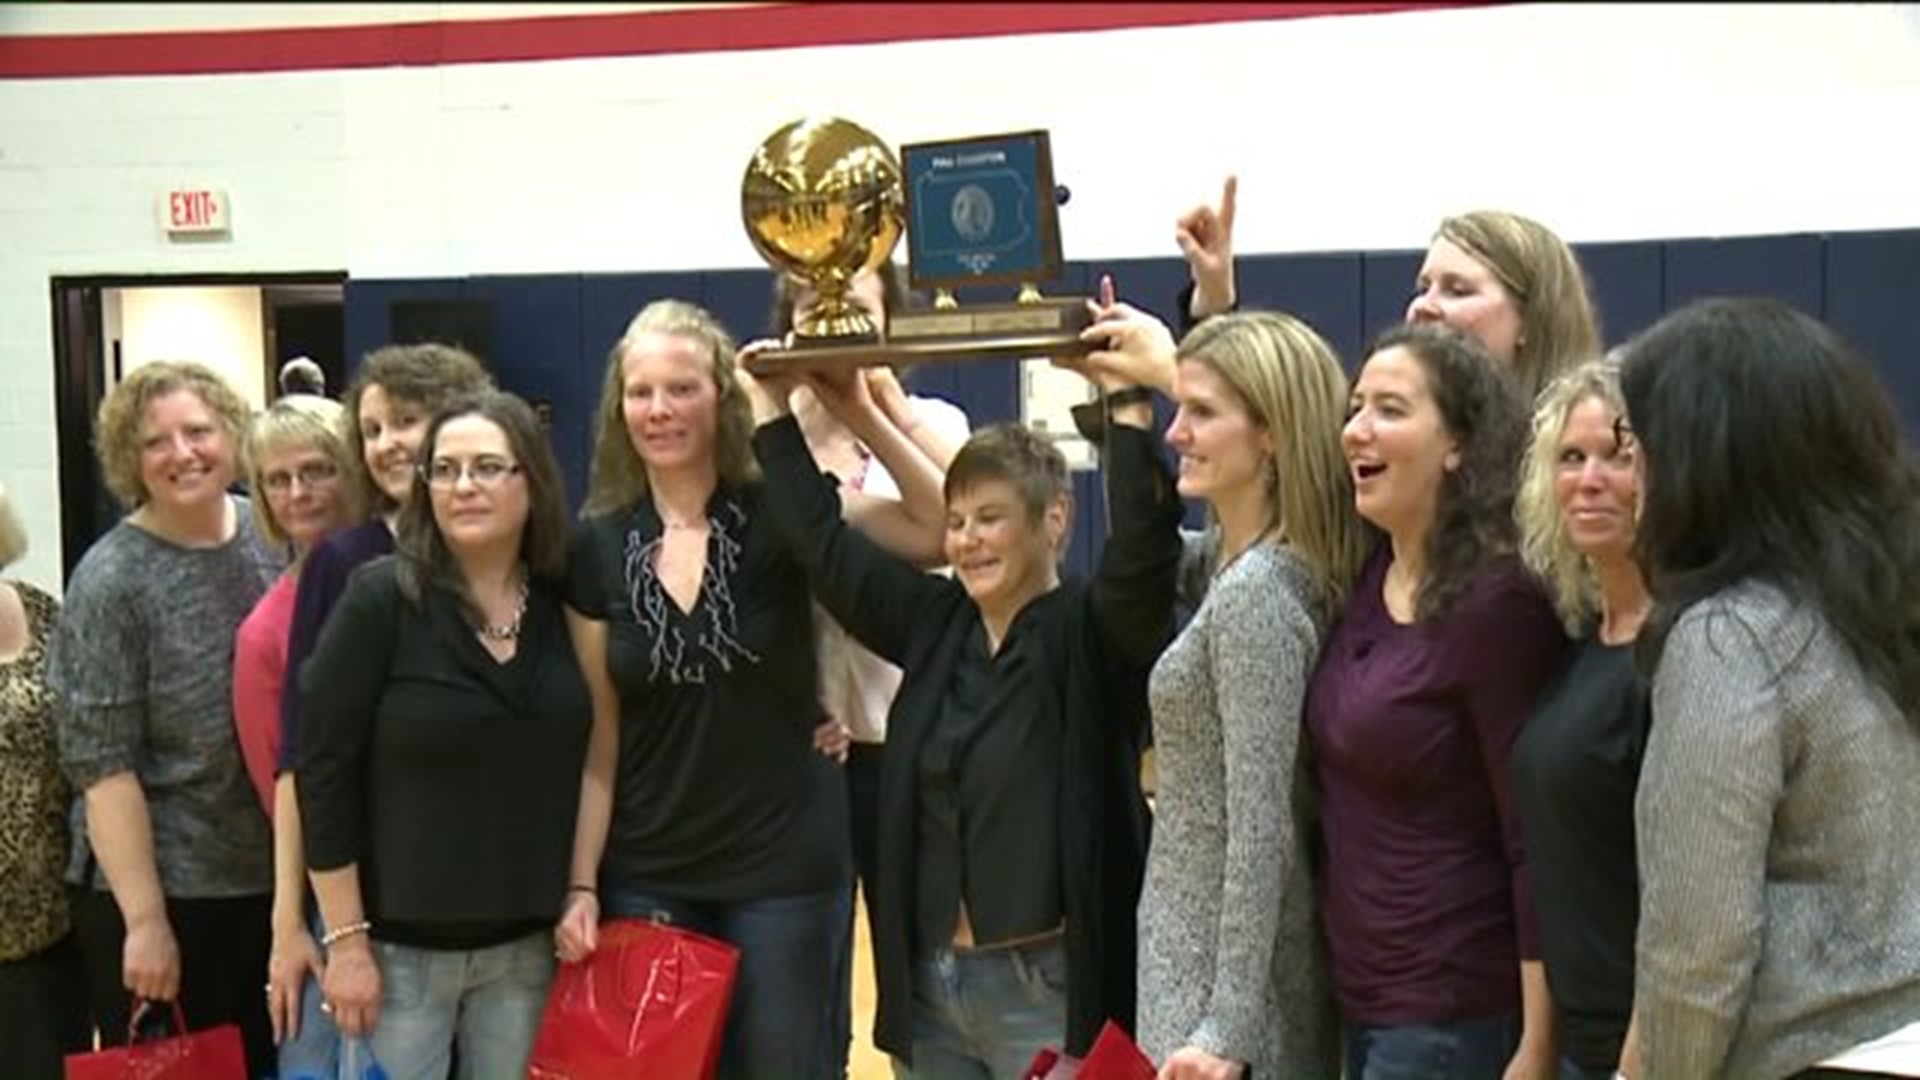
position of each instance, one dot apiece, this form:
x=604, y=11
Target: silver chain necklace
x=509, y=630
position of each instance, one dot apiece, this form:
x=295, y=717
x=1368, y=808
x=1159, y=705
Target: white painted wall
x=1608, y=122
x=222, y=327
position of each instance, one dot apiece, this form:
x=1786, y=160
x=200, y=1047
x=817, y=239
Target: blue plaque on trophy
x=981, y=211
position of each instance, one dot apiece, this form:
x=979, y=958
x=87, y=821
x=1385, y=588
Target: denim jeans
x=782, y=1022
x=982, y=1014
x=490, y=1000
x=313, y=1054
x=1455, y=1050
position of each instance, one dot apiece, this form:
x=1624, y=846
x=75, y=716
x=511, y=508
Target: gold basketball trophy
x=824, y=201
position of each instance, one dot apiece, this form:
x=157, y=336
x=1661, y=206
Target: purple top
x=1428, y=904
x=322, y=582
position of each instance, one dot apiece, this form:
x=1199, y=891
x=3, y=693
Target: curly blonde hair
x=117, y=425
x=618, y=476
x=1544, y=542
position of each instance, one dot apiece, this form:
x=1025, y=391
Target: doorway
x=244, y=325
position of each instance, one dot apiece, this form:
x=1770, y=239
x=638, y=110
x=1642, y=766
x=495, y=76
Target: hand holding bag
x=213, y=1054
x=651, y=1001
x=1113, y=1056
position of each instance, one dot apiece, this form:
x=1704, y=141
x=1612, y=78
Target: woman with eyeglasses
x=447, y=726
x=299, y=469
x=385, y=414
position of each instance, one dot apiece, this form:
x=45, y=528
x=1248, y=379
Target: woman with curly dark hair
x=1444, y=644
x=1780, y=798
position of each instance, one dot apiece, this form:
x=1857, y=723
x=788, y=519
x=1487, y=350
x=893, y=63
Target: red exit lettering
x=191, y=209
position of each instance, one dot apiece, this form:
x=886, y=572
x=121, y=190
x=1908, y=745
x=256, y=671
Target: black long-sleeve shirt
x=452, y=780
x=1097, y=642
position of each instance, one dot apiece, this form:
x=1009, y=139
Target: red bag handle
x=139, y=1010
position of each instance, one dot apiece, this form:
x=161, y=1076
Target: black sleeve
x=584, y=589
x=322, y=580
x=880, y=599
x=1183, y=309
x=341, y=688
x=1135, y=586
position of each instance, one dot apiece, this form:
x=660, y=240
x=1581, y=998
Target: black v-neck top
x=720, y=795
x=450, y=778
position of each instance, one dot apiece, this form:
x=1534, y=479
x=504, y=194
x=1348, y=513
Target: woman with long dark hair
x=1780, y=797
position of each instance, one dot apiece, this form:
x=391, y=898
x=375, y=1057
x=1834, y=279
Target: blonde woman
x=1233, y=974
x=1576, y=764
x=171, y=850
x=703, y=797
x=1501, y=278
x=301, y=473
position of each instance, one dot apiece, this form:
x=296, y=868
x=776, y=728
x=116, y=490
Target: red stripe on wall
x=571, y=37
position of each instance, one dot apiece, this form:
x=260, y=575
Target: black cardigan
x=452, y=783
x=1101, y=639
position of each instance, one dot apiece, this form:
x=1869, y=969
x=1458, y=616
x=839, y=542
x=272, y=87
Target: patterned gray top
x=1777, y=815
x=142, y=674
x=1231, y=958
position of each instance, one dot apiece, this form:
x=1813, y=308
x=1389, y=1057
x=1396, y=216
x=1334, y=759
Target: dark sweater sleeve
x=322, y=581
x=1183, y=309
x=880, y=599
x=1138, y=576
x=1515, y=646
x=342, y=684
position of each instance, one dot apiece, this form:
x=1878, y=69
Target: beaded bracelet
x=341, y=933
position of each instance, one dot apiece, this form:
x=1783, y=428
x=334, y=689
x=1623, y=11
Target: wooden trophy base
x=1015, y=331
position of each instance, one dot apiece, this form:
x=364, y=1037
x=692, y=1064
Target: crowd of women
x=1518, y=712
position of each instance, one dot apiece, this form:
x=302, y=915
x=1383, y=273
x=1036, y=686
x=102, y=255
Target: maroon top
x=1427, y=901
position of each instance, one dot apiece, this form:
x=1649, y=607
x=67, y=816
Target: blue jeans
x=782, y=1022
x=1455, y=1050
x=490, y=1000
x=982, y=1014
x=313, y=1054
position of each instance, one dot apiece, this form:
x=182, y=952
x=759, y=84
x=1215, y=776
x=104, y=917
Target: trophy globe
x=822, y=203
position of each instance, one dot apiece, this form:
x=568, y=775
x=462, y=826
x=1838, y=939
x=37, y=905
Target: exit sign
x=194, y=211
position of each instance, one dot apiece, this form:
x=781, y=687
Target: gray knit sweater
x=1779, y=834
x=1231, y=958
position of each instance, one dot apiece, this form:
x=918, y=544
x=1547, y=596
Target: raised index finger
x=1229, y=195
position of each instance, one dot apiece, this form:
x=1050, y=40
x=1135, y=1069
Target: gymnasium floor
x=864, y=1062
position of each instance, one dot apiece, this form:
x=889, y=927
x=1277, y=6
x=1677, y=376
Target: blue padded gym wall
x=547, y=337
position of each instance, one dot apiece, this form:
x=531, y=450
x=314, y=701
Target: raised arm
x=879, y=598
x=1134, y=587
x=1205, y=236
x=913, y=526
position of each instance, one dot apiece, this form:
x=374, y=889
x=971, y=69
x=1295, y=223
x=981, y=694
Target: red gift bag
x=651, y=1001
x=1113, y=1056
x=213, y=1054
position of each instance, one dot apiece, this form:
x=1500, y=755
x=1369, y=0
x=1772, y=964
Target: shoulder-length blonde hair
x=301, y=422
x=117, y=427
x=1544, y=543
x=1292, y=385
x=618, y=476
x=1558, y=330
